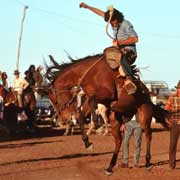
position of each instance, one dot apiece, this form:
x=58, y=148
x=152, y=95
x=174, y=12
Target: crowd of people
x=21, y=83
x=23, y=88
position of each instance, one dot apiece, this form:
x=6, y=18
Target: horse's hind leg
x=92, y=104
x=145, y=117
x=83, y=114
x=115, y=128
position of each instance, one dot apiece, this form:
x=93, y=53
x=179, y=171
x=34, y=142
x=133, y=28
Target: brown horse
x=100, y=84
x=29, y=102
x=10, y=110
x=7, y=96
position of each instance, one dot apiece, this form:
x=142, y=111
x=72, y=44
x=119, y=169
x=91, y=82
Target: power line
x=20, y=2
x=78, y=20
x=57, y=14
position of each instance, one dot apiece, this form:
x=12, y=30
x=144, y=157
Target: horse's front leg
x=83, y=114
x=115, y=128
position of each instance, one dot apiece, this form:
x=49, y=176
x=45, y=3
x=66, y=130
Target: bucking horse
x=102, y=84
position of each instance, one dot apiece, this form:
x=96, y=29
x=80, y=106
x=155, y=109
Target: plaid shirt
x=173, y=106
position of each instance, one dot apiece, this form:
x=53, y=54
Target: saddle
x=113, y=56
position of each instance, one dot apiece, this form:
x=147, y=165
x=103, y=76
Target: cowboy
x=20, y=84
x=173, y=106
x=125, y=38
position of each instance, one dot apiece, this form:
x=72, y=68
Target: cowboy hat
x=178, y=85
x=16, y=72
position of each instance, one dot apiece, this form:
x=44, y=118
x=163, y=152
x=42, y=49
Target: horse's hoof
x=100, y=131
x=149, y=167
x=90, y=148
x=108, y=172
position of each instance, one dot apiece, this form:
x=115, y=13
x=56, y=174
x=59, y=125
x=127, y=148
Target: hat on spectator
x=16, y=72
x=178, y=85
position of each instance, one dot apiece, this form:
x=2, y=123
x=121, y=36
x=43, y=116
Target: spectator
x=20, y=84
x=30, y=80
x=5, y=80
x=38, y=77
x=173, y=106
x=32, y=68
x=131, y=128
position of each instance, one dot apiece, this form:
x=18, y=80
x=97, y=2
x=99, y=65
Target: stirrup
x=130, y=88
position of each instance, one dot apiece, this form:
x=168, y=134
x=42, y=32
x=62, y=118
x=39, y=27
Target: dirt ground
x=47, y=155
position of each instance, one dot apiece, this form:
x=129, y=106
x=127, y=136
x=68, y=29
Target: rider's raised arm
x=93, y=9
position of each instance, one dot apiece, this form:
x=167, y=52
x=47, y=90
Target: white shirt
x=20, y=84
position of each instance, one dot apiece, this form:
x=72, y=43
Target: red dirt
x=49, y=155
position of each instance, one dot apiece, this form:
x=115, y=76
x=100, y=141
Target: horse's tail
x=160, y=115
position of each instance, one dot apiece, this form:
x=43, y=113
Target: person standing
x=131, y=128
x=173, y=106
x=20, y=84
x=125, y=38
x=5, y=80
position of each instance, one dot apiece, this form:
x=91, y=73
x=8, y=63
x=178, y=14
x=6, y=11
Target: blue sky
x=56, y=26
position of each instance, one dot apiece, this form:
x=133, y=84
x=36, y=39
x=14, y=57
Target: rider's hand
x=84, y=5
x=115, y=42
x=122, y=128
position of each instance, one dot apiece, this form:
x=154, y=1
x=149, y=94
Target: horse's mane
x=53, y=70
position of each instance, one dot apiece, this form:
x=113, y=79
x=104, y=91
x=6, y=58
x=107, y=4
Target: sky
x=58, y=27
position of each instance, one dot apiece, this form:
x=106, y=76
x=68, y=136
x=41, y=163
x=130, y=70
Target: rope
x=83, y=76
x=111, y=11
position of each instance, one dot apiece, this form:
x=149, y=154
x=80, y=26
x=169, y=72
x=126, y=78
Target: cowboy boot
x=129, y=85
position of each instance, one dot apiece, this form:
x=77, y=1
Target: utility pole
x=20, y=37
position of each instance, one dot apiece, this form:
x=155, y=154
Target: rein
x=57, y=92
x=83, y=76
x=111, y=10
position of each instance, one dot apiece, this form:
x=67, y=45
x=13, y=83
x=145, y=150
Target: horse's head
x=61, y=98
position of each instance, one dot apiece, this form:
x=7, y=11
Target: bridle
x=59, y=100
x=58, y=92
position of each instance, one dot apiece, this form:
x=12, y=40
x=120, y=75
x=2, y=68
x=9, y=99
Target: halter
x=57, y=92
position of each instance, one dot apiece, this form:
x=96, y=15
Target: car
x=43, y=109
